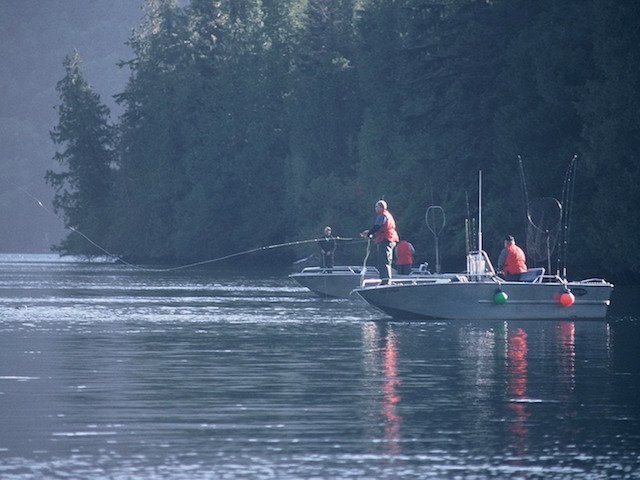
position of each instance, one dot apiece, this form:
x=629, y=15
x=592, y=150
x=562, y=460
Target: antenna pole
x=480, y=210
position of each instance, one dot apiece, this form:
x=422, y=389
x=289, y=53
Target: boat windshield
x=478, y=263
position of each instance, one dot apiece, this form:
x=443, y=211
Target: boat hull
x=476, y=300
x=337, y=282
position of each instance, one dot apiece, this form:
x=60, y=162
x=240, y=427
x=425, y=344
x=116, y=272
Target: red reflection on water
x=390, y=397
x=568, y=355
x=567, y=374
x=517, y=385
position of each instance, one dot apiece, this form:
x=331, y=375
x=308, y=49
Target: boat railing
x=358, y=270
x=537, y=279
x=417, y=280
x=351, y=269
x=433, y=278
x=594, y=280
x=548, y=279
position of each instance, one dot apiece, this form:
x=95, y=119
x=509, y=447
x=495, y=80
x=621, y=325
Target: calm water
x=109, y=372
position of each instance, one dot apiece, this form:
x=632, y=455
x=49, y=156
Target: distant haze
x=35, y=36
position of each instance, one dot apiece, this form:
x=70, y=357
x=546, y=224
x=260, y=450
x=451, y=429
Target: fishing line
x=181, y=267
x=75, y=230
x=267, y=247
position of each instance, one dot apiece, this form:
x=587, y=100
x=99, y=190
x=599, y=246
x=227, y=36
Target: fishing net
x=548, y=221
x=543, y=228
x=436, y=221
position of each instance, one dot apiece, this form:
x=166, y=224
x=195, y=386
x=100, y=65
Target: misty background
x=35, y=36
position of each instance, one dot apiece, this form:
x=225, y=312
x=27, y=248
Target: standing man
x=327, y=248
x=404, y=257
x=512, y=261
x=385, y=236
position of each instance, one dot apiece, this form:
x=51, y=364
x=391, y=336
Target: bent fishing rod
x=119, y=259
x=252, y=250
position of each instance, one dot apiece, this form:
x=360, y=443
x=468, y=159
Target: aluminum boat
x=481, y=294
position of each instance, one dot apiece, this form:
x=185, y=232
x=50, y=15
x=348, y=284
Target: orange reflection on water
x=380, y=357
x=567, y=333
x=390, y=396
x=517, y=385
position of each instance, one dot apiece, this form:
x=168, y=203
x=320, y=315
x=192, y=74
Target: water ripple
x=111, y=373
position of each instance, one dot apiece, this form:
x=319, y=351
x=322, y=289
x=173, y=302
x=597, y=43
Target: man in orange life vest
x=404, y=257
x=512, y=261
x=385, y=237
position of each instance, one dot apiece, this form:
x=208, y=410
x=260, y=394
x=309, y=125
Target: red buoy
x=567, y=299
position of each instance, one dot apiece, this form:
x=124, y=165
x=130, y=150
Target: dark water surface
x=109, y=372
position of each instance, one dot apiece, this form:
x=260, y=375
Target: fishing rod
x=253, y=250
x=363, y=272
x=180, y=267
x=568, y=189
x=523, y=184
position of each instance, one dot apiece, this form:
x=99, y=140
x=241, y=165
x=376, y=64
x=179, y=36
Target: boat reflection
x=517, y=387
x=527, y=349
x=390, y=397
x=520, y=374
x=381, y=364
x=567, y=357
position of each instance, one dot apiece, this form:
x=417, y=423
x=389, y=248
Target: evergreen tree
x=237, y=138
x=199, y=223
x=451, y=59
x=610, y=112
x=381, y=67
x=549, y=65
x=260, y=70
x=152, y=146
x=324, y=112
x=84, y=185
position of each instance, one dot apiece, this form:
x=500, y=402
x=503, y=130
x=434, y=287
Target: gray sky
x=35, y=35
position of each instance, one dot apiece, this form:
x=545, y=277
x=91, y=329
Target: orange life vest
x=387, y=229
x=403, y=253
x=515, y=261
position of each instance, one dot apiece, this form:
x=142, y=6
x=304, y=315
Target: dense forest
x=259, y=122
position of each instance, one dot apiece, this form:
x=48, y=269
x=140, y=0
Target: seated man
x=512, y=262
x=404, y=257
